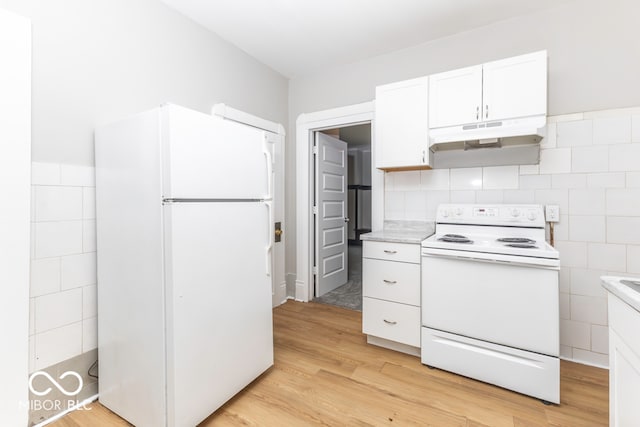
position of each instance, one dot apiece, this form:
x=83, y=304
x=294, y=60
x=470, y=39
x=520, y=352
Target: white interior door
x=331, y=217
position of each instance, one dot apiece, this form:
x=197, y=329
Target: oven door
x=506, y=300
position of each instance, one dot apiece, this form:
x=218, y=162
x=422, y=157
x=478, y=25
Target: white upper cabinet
x=401, y=125
x=455, y=97
x=515, y=87
x=505, y=89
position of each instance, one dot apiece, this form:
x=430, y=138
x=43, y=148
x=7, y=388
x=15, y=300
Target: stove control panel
x=486, y=212
x=513, y=215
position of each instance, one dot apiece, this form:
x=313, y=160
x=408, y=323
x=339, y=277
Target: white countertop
x=402, y=232
x=624, y=292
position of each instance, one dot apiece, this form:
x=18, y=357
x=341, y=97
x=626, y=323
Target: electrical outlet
x=552, y=213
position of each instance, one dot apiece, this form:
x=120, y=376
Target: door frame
x=278, y=280
x=306, y=126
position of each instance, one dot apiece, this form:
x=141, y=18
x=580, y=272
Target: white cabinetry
x=391, y=295
x=505, y=89
x=401, y=125
x=624, y=363
x=455, y=97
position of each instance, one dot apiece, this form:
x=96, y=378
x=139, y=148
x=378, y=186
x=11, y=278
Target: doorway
x=307, y=125
x=337, y=236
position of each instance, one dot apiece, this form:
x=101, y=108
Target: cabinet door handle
x=387, y=251
x=389, y=282
x=390, y=322
x=477, y=112
x=423, y=154
x=486, y=111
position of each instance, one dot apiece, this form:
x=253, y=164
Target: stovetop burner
x=518, y=240
x=455, y=238
x=522, y=245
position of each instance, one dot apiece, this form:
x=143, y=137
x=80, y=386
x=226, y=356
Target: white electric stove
x=490, y=306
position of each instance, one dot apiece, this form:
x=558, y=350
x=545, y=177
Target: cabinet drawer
x=625, y=321
x=391, y=320
x=392, y=281
x=406, y=252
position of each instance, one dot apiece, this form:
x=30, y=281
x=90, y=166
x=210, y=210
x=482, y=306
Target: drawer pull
x=389, y=282
x=387, y=251
x=389, y=322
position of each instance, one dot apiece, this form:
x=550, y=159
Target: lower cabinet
x=624, y=364
x=391, y=295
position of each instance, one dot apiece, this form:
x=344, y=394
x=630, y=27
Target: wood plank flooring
x=326, y=375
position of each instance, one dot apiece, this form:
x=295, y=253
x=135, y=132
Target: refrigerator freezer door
x=207, y=157
x=219, y=323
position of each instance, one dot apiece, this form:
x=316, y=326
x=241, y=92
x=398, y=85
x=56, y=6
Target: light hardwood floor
x=325, y=374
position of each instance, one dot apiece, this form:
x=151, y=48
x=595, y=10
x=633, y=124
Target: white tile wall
x=624, y=157
x=436, y=179
x=500, y=177
x=466, y=179
x=63, y=305
x=633, y=259
x=590, y=159
x=555, y=160
x=535, y=182
x=633, y=179
x=612, y=130
x=57, y=345
x=607, y=257
x=623, y=229
x=606, y=180
x=574, y=133
x=590, y=167
x=635, y=128
x=569, y=180
x=587, y=202
x=623, y=202
x=588, y=228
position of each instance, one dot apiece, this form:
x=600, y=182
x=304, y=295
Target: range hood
x=495, y=143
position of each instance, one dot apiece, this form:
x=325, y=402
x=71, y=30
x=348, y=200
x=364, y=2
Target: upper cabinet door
x=401, y=124
x=455, y=97
x=515, y=87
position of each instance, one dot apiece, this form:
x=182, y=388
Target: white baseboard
x=302, y=292
x=73, y=408
x=392, y=345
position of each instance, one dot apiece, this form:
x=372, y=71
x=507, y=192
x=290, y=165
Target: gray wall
x=594, y=64
x=98, y=60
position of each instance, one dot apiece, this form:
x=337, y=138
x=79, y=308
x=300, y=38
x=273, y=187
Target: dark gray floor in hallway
x=348, y=295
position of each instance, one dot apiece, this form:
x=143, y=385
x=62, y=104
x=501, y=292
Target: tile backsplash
x=590, y=167
x=63, y=306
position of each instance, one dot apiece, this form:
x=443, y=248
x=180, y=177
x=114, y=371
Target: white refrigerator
x=184, y=220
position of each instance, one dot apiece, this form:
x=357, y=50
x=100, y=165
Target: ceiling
x=298, y=37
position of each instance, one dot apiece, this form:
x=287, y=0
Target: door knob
x=346, y=219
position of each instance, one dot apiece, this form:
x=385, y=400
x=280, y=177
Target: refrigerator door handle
x=270, y=238
x=269, y=159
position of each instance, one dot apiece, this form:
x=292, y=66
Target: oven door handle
x=514, y=260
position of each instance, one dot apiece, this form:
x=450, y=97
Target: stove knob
x=459, y=211
x=445, y=213
x=532, y=216
x=515, y=212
